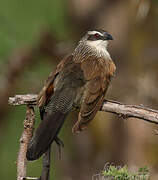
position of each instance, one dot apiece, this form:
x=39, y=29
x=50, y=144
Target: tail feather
x=45, y=135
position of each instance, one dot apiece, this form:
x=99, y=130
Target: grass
x=112, y=172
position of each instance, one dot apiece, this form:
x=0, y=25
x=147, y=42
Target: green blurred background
x=35, y=35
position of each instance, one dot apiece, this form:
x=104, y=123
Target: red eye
x=96, y=35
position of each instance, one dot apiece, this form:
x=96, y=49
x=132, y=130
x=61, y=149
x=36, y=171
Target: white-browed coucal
x=80, y=81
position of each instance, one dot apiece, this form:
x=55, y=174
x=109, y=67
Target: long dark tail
x=45, y=135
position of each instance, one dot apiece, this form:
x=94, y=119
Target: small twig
x=115, y=107
x=46, y=165
x=24, y=140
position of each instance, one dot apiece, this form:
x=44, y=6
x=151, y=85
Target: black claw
x=59, y=142
x=60, y=145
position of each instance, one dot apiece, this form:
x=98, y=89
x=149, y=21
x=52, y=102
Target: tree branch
x=127, y=111
x=115, y=107
x=27, y=99
x=24, y=140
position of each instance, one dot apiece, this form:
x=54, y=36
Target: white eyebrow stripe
x=94, y=32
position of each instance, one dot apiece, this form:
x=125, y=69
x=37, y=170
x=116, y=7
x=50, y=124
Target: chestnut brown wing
x=48, y=89
x=98, y=73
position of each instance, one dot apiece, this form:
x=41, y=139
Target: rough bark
x=24, y=140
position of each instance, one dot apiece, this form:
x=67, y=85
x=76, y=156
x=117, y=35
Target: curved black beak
x=108, y=36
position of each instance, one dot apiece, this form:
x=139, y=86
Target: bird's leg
x=46, y=165
x=59, y=142
x=46, y=160
x=60, y=145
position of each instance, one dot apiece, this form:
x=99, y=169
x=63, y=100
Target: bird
x=79, y=82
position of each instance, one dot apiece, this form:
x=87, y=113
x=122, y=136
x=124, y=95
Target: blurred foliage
x=22, y=21
x=134, y=25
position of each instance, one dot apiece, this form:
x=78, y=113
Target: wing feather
x=98, y=73
x=48, y=89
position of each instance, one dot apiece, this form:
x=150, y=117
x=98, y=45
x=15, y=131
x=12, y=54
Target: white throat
x=100, y=47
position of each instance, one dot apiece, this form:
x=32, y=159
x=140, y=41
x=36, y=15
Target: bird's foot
x=60, y=145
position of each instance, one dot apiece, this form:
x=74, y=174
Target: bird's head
x=97, y=39
x=94, y=42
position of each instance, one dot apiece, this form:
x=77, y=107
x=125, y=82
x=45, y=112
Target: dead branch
x=115, y=107
x=24, y=140
x=123, y=110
